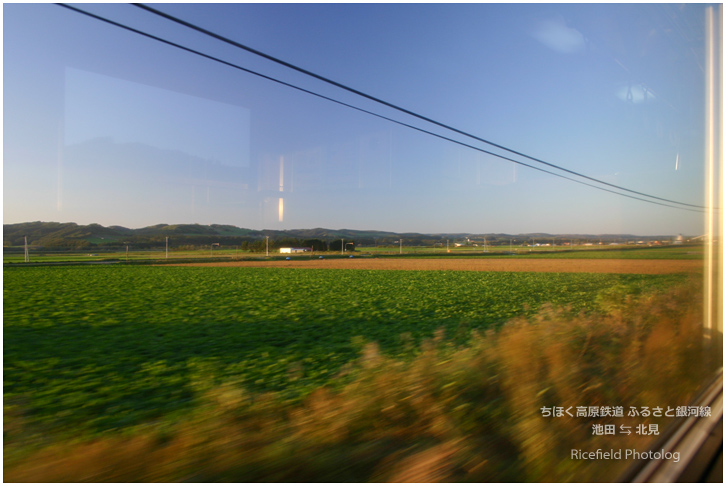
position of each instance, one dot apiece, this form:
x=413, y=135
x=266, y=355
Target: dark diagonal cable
x=391, y=105
x=207, y=56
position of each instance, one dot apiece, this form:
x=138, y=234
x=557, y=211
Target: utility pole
x=27, y=256
x=342, y=246
x=167, y=247
x=267, y=246
x=400, y=243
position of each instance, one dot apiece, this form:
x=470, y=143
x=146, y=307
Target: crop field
x=17, y=256
x=673, y=252
x=92, y=348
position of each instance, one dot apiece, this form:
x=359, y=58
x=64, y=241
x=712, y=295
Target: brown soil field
x=477, y=265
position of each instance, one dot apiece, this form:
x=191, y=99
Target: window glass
x=509, y=134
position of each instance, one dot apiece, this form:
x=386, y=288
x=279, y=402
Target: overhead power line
x=391, y=105
x=235, y=66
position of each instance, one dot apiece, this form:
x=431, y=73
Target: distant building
x=295, y=250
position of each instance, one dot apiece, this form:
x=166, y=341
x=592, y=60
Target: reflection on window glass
x=503, y=224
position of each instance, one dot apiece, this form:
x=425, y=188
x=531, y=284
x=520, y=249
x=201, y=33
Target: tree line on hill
x=72, y=236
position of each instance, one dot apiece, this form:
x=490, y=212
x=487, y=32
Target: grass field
x=133, y=256
x=688, y=252
x=170, y=370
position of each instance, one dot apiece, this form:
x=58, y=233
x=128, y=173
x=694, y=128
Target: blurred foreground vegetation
x=454, y=412
x=91, y=349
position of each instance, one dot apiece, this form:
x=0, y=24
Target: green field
x=677, y=252
x=136, y=255
x=92, y=348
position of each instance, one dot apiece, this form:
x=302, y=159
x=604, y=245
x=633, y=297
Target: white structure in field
x=295, y=250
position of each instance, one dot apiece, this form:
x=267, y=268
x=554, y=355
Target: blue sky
x=104, y=126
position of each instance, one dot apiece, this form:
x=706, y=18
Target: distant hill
x=72, y=235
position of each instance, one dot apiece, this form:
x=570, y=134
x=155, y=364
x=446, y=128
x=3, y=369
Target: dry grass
x=451, y=414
